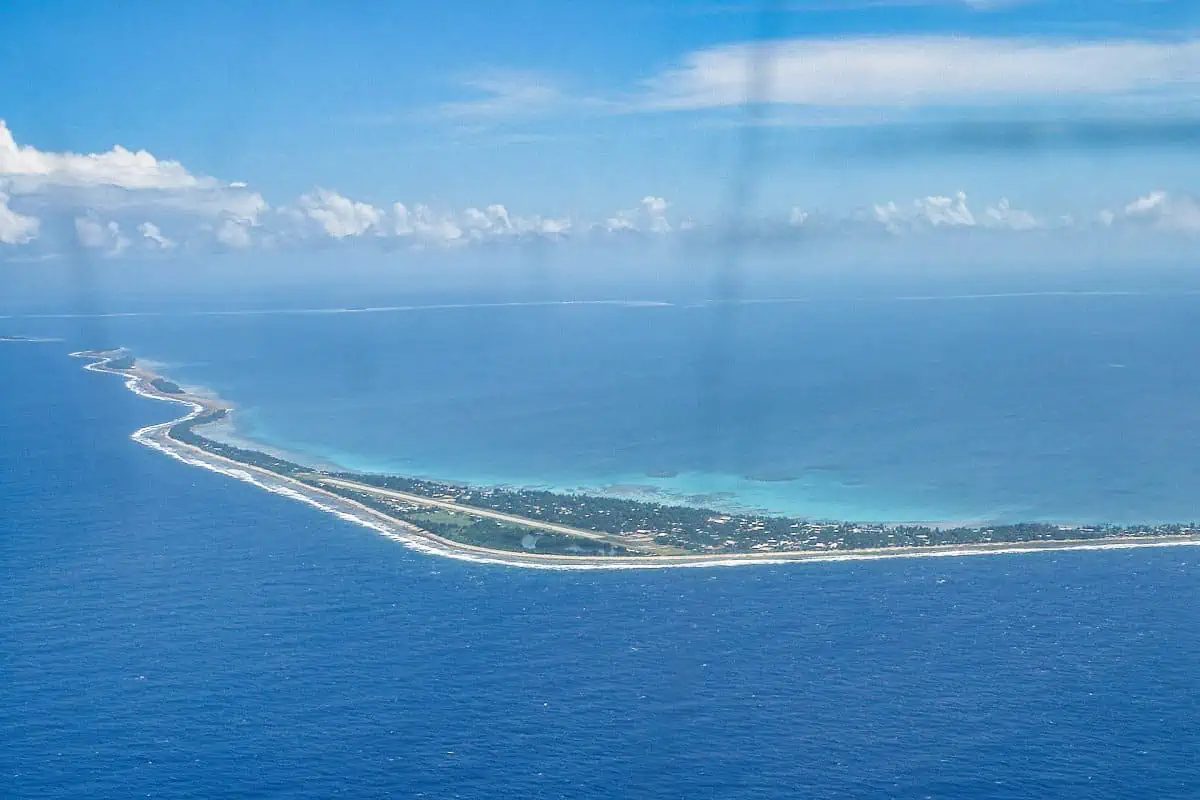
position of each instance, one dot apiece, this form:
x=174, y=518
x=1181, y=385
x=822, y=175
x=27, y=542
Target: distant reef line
x=15, y=339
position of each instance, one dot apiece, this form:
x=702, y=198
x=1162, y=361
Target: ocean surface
x=168, y=632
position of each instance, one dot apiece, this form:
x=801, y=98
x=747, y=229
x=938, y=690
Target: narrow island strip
x=17, y=339
x=535, y=528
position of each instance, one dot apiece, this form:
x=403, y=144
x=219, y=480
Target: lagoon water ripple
x=171, y=632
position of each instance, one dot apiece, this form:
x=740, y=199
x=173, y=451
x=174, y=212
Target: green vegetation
x=165, y=386
x=185, y=432
x=121, y=362
x=485, y=532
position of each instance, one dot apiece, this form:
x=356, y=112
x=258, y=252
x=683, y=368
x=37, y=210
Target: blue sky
x=615, y=115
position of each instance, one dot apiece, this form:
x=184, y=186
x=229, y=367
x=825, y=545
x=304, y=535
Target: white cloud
x=27, y=167
x=402, y=222
x=890, y=216
x=656, y=210
x=16, y=228
x=424, y=225
x=1003, y=215
x=96, y=235
x=1158, y=210
x=1153, y=204
x=621, y=221
x=946, y=211
x=153, y=236
x=914, y=71
x=234, y=234
x=90, y=232
x=128, y=188
x=339, y=216
x=938, y=211
x=553, y=227
x=493, y=221
x=650, y=217
x=655, y=206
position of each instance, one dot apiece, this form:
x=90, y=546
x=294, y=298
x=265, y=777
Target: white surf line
x=396, y=309
x=1017, y=295
x=267, y=312
x=413, y=537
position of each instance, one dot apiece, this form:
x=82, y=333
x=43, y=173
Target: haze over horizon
x=313, y=132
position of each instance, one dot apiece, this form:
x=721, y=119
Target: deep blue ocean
x=168, y=632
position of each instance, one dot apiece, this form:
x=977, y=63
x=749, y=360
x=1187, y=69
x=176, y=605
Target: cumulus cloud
x=1157, y=210
x=106, y=237
x=90, y=232
x=937, y=211
x=234, y=234
x=153, y=237
x=495, y=222
x=946, y=211
x=26, y=167
x=424, y=225
x=914, y=71
x=128, y=188
x=655, y=209
x=338, y=216
x=1003, y=215
x=649, y=217
x=492, y=221
x=16, y=228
